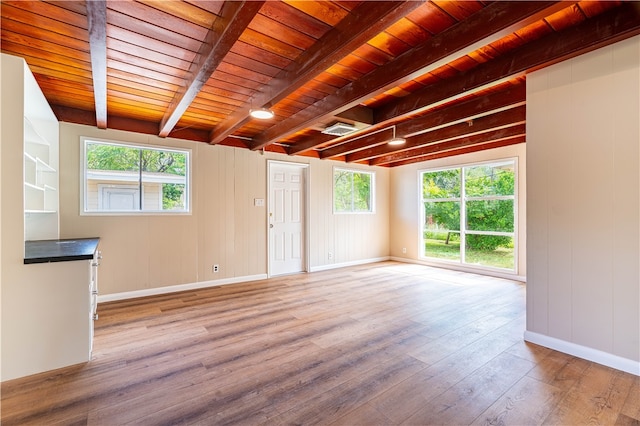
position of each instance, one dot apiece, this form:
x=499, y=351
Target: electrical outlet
x=330, y=255
x=404, y=250
x=216, y=268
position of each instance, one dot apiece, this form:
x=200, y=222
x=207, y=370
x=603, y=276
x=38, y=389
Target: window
x=123, y=178
x=469, y=214
x=352, y=191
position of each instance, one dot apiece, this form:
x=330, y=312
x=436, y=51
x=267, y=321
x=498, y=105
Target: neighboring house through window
x=126, y=178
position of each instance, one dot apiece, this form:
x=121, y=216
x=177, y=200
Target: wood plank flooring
x=380, y=344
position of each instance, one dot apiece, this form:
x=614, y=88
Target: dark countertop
x=44, y=251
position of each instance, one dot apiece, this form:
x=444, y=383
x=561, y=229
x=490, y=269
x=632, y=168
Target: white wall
x=405, y=203
x=146, y=253
x=583, y=161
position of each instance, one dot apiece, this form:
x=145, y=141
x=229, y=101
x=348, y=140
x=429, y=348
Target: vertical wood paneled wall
x=583, y=162
x=225, y=228
x=348, y=237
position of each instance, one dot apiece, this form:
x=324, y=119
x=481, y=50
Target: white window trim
x=83, y=180
x=460, y=264
x=372, y=191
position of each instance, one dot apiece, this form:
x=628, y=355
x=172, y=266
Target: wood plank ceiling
x=448, y=76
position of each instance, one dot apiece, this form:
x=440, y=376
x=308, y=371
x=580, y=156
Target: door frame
x=306, y=198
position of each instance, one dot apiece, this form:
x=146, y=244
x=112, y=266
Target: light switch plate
x=258, y=202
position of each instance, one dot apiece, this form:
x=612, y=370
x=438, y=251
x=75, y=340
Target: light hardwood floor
x=379, y=344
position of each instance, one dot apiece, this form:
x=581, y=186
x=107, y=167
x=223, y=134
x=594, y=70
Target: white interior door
x=287, y=183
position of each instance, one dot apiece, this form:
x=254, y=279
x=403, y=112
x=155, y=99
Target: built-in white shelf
x=31, y=134
x=40, y=178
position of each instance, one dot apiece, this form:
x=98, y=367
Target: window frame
x=85, y=140
x=372, y=186
x=463, y=199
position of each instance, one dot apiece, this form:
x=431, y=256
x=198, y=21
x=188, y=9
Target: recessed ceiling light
x=261, y=113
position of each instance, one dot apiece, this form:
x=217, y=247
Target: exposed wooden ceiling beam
x=363, y=141
x=467, y=110
x=358, y=113
x=484, y=27
x=310, y=143
x=610, y=27
x=490, y=136
x=464, y=150
x=495, y=121
x=315, y=139
x=80, y=116
x=358, y=27
x=97, y=20
x=511, y=97
x=227, y=28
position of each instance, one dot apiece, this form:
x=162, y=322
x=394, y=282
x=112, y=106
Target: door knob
x=271, y=225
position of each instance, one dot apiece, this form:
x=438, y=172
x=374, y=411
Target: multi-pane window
x=124, y=178
x=469, y=214
x=352, y=191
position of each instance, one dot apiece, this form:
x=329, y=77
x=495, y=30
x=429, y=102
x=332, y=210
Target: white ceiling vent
x=339, y=129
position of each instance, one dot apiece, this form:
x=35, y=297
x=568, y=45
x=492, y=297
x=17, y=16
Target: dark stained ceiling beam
x=364, y=141
x=358, y=27
x=495, y=121
x=310, y=143
x=358, y=113
x=467, y=110
x=97, y=20
x=234, y=17
x=84, y=117
x=315, y=139
x=610, y=27
x=484, y=27
x=490, y=136
x=464, y=150
x=511, y=97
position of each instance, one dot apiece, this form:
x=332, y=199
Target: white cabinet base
x=47, y=324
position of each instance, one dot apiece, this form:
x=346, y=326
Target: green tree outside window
x=352, y=191
x=486, y=193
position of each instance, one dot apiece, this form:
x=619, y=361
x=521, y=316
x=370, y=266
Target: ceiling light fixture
x=396, y=140
x=261, y=113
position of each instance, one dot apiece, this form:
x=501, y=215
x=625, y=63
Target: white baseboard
x=345, y=264
x=176, y=288
x=590, y=354
x=213, y=283
x=463, y=268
